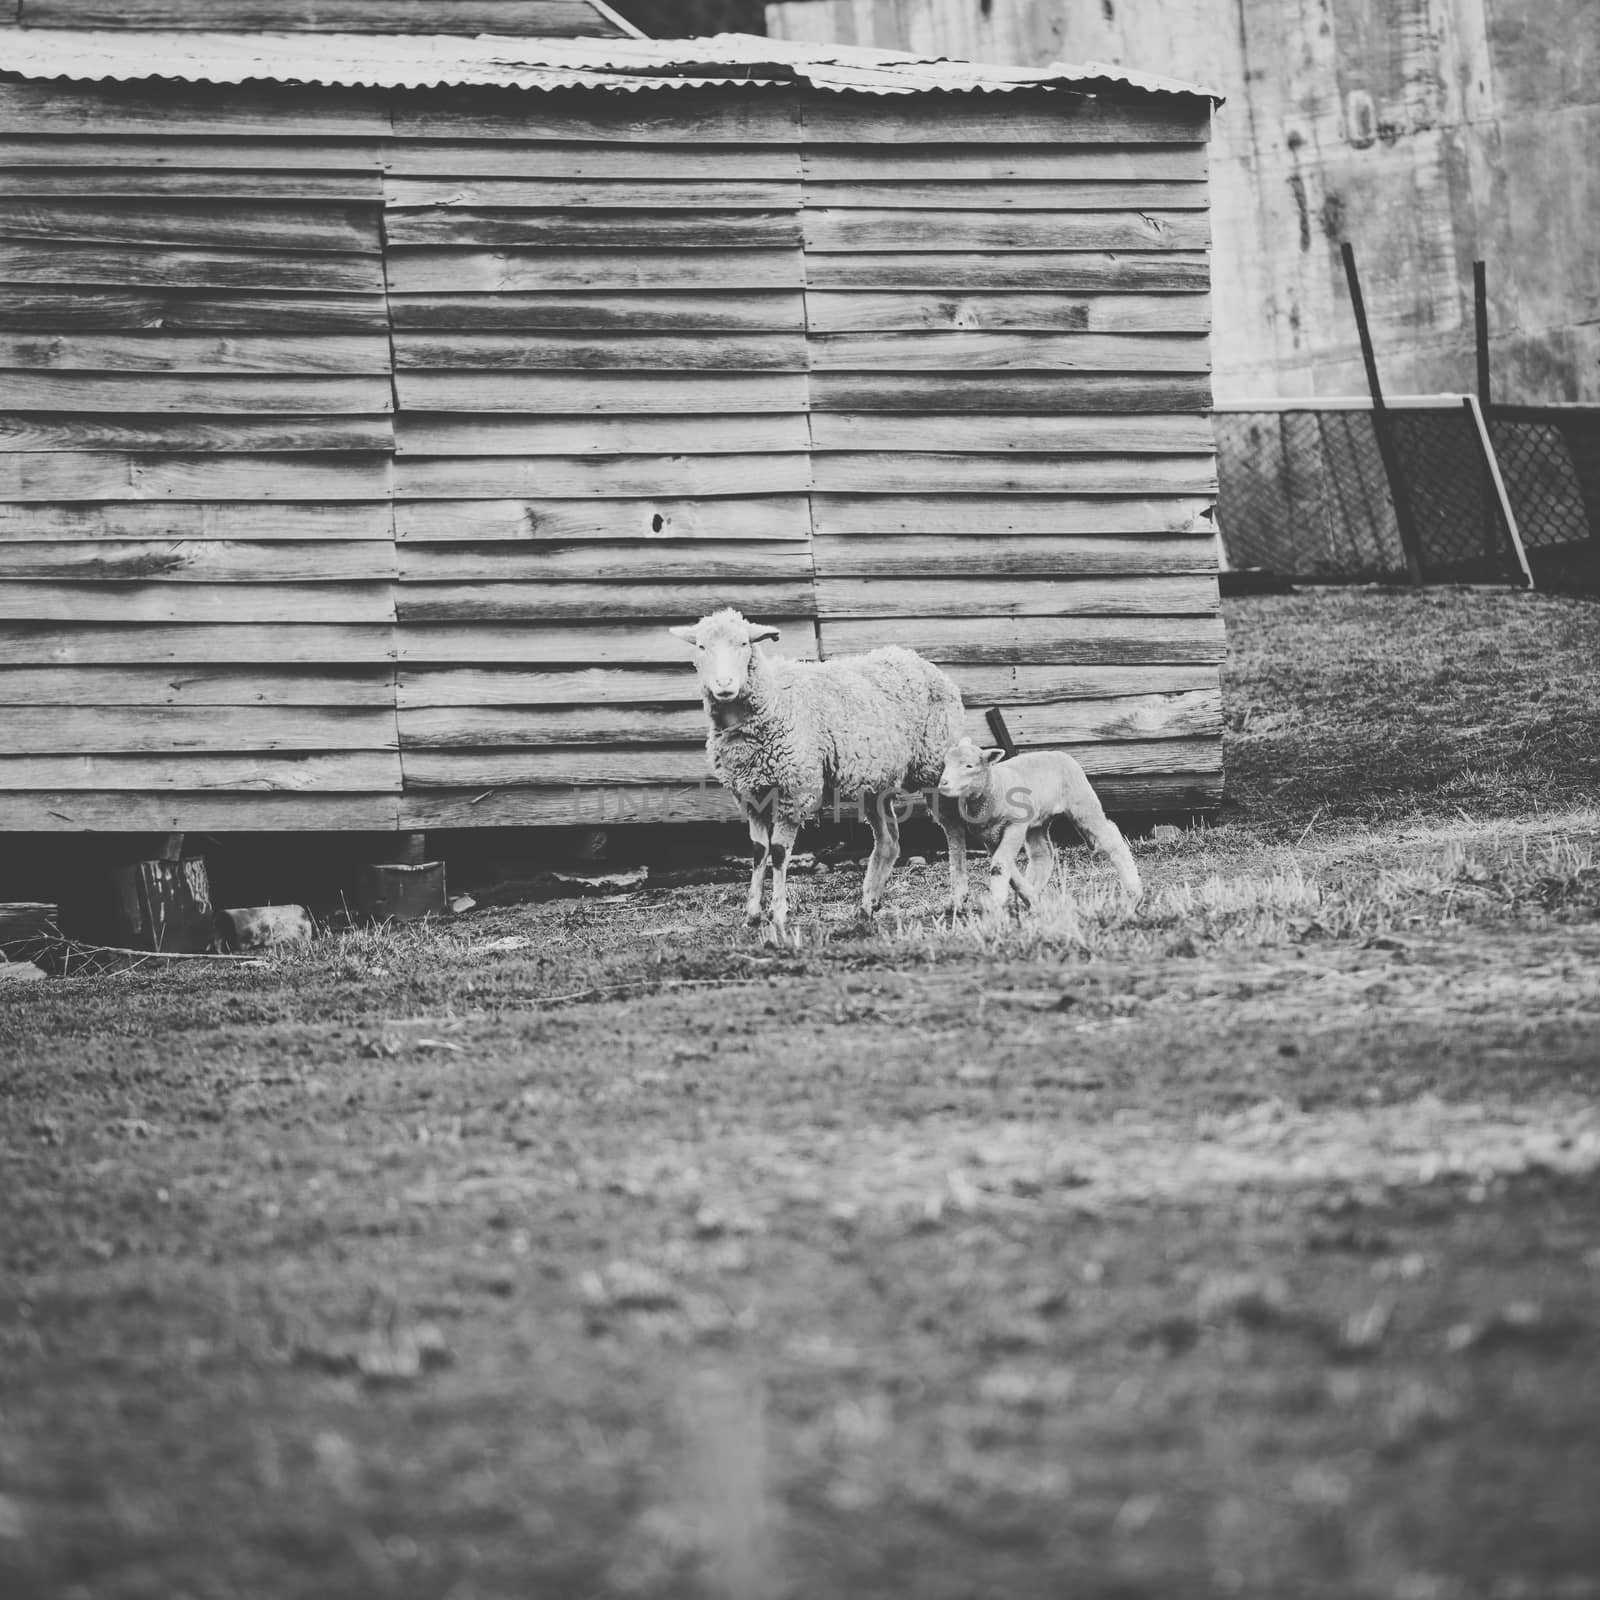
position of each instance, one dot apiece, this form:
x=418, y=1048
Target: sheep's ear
x=685, y=632
x=762, y=630
x=990, y=757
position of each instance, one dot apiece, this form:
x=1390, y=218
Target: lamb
x=1010, y=804
x=876, y=725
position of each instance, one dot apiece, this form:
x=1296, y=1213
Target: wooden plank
x=107, y=109
x=123, y=392
x=205, y=521
x=610, y=804
x=94, y=730
x=57, y=811
x=1024, y=391
x=693, y=560
x=479, y=193
x=126, y=182
x=59, y=475
x=1005, y=641
x=341, y=229
x=487, y=769
x=199, y=561
x=26, y=310
x=844, y=231
x=754, y=312
x=195, y=603
x=1015, y=597
x=629, y=352
x=501, y=477
x=428, y=434
x=1012, y=352
x=960, y=431
x=560, y=19
x=987, y=195
x=769, y=517
x=476, y=159
x=486, y=727
x=1026, y=684
x=1003, y=164
x=838, y=515
x=531, y=644
x=601, y=230
x=587, y=686
x=323, y=354
x=47, y=431
x=355, y=770
x=1132, y=793
x=1022, y=117
x=600, y=806
x=890, y=311
x=997, y=555
x=577, y=765
x=134, y=266
x=1139, y=758
x=575, y=602
x=645, y=118
x=230, y=687
x=896, y=473
x=1196, y=714
x=621, y=394
x=428, y=271
x=1066, y=271
x=186, y=153
x=230, y=645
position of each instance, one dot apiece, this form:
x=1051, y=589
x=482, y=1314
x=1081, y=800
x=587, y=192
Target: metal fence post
x=1387, y=448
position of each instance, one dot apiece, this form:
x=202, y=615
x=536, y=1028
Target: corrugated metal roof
x=415, y=61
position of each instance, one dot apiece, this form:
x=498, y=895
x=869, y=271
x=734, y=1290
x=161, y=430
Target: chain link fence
x=1304, y=493
x=1550, y=459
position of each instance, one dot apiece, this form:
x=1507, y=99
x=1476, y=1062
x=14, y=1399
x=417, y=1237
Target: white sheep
x=1009, y=804
x=874, y=725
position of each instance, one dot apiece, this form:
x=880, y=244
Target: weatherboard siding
x=352, y=475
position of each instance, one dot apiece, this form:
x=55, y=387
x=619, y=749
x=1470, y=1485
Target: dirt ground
x=1247, y=1244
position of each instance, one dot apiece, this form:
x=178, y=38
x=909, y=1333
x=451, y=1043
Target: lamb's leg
x=885, y=849
x=784, y=830
x=1003, y=874
x=761, y=854
x=1041, y=857
x=948, y=814
x=1088, y=815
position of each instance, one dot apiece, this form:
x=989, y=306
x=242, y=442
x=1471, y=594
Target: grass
x=1244, y=1244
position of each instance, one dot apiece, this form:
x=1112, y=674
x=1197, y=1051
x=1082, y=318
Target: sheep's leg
x=948, y=814
x=1003, y=874
x=885, y=849
x=761, y=854
x=784, y=830
x=1089, y=817
x=1041, y=857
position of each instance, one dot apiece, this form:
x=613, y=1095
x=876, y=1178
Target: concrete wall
x=1427, y=132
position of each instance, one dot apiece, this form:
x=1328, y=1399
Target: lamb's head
x=966, y=770
x=724, y=647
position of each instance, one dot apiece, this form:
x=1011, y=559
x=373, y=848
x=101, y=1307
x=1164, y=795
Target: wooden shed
x=373, y=402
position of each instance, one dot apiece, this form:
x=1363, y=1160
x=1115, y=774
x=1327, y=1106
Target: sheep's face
x=966, y=770
x=724, y=643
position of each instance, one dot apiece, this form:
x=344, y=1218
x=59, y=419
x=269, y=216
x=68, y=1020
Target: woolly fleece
x=869, y=723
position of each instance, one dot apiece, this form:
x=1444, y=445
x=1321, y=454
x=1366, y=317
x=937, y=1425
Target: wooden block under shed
x=163, y=905
x=395, y=891
x=257, y=927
